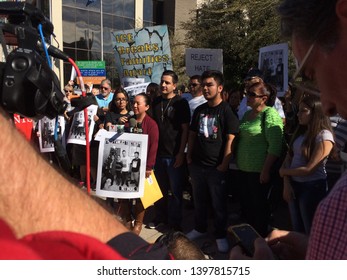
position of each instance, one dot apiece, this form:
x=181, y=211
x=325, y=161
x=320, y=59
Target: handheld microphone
x=130, y=114
x=132, y=124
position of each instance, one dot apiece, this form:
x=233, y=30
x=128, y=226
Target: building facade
x=83, y=27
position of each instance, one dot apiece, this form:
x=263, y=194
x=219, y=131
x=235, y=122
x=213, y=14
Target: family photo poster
x=77, y=134
x=273, y=62
x=46, y=131
x=121, y=165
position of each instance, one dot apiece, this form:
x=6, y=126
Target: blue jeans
x=170, y=179
x=307, y=197
x=209, y=183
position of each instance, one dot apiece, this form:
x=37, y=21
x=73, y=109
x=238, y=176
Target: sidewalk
x=280, y=219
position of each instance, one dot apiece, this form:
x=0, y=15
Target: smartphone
x=244, y=235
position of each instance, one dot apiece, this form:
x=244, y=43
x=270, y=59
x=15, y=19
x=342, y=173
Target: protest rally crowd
x=207, y=140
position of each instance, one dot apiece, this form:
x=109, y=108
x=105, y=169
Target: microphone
x=132, y=124
x=53, y=51
x=139, y=128
x=130, y=114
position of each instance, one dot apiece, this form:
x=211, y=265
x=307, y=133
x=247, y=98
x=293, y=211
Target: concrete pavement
x=280, y=219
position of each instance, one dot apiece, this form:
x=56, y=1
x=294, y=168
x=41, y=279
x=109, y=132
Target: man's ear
x=220, y=88
x=341, y=11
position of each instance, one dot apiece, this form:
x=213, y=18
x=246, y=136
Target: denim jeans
x=307, y=197
x=170, y=179
x=209, y=183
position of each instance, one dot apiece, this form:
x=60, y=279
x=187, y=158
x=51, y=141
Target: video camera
x=28, y=86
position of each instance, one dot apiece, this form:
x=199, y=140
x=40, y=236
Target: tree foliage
x=239, y=27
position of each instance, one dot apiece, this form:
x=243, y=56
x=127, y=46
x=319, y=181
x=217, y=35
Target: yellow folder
x=152, y=192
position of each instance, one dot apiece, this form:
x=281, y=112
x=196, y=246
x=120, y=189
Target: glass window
x=67, y=72
x=95, y=6
x=82, y=55
x=82, y=29
x=129, y=23
x=129, y=8
x=147, y=23
x=118, y=23
x=148, y=10
x=118, y=8
x=107, y=25
x=95, y=30
x=107, y=6
x=69, y=29
x=95, y=55
x=69, y=3
x=82, y=33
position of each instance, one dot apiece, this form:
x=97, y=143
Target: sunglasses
x=105, y=88
x=253, y=94
x=67, y=90
x=302, y=82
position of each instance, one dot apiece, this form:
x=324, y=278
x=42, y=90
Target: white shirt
x=195, y=102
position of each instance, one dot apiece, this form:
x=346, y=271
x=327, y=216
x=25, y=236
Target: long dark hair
x=112, y=105
x=319, y=121
x=153, y=90
x=272, y=96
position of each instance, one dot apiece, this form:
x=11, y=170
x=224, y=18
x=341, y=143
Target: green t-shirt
x=256, y=140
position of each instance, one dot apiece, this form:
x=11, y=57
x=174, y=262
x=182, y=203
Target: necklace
x=164, y=110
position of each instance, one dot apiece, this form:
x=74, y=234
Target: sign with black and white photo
x=121, y=165
x=46, y=129
x=77, y=134
x=273, y=62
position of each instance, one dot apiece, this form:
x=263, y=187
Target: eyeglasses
x=121, y=99
x=105, y=88
x=193, y=85
x=253, y=94
x=302, y=82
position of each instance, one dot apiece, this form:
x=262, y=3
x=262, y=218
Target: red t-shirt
x=53, y=245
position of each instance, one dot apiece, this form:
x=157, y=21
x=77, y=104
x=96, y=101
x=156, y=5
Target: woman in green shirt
x=259, y=145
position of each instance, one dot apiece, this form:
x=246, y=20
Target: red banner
x=24, y=125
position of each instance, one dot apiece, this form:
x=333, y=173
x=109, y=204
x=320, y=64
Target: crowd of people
x=205, y=137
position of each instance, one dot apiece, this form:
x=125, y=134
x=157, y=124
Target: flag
x=90, y=2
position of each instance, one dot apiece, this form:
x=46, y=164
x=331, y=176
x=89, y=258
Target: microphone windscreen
x=132, y=122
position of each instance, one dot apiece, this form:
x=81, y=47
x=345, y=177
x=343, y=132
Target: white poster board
x=200, y=60
x=77, y=134
x=121, y=165
x=46, y=129
x=273, y=62
x=136, y=89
